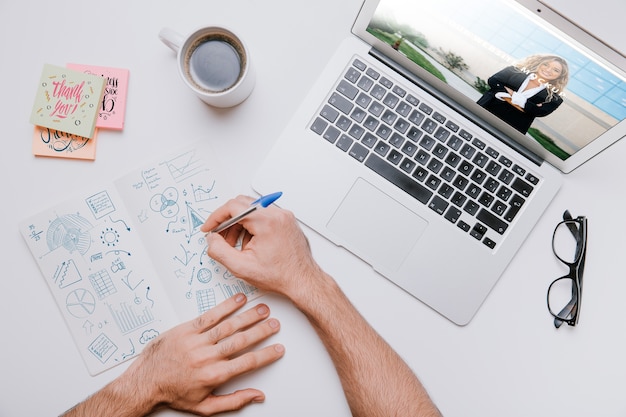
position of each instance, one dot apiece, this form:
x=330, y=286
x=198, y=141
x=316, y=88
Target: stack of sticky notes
x=70, y=106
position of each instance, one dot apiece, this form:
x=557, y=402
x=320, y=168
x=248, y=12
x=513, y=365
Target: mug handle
x=171, y=39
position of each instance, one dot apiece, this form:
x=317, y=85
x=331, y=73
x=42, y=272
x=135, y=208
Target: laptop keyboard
x=425, y=153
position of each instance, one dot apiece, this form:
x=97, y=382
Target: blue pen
x=263, y=201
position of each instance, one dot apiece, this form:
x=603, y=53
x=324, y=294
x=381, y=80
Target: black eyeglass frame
x=570, y=313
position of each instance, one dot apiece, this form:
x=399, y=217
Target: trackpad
x=376, y=227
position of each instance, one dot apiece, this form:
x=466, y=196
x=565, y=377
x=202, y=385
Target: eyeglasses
x=569, y=244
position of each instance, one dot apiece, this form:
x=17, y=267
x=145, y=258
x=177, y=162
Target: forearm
x=119, y=398
x=376, y=381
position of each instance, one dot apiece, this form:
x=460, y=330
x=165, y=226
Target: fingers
x=232, y=208
x=213, y=316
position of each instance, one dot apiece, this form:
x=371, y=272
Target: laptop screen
x=545, y=86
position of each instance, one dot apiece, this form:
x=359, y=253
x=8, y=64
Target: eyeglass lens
x=566, y=241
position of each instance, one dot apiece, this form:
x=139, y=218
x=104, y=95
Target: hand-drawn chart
x=128, y=261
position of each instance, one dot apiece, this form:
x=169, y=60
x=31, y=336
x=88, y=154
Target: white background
x=509, y=361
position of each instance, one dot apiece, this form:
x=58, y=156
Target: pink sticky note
x=50, y=142
x=113, y=105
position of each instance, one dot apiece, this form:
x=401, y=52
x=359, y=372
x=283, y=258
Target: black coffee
x=215, y=65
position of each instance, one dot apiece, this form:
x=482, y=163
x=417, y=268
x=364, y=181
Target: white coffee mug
x=214, y=63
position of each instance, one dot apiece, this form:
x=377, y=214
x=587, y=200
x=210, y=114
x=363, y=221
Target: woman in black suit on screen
x=529, y=89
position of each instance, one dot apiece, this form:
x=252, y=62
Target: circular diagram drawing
x=80, y=303
x=166, y=203
x=71, y=232
x=204, y=275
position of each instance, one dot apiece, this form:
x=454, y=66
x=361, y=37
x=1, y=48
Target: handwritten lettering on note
x=112, y=107
x=67, y=100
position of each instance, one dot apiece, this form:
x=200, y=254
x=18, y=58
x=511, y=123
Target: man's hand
x=182, y=367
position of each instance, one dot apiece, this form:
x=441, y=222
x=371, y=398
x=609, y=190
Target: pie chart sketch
x=80, y=303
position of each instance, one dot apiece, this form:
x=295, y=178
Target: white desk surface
x=509, y=361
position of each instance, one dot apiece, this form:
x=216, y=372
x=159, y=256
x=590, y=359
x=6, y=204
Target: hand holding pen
x=260, y=202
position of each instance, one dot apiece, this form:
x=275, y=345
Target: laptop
x=410, y=152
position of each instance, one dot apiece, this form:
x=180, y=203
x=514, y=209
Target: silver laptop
x=439, y=133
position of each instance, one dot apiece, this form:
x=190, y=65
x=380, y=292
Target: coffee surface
x=215, y=65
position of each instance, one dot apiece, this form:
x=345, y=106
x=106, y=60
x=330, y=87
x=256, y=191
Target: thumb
x=222, y=251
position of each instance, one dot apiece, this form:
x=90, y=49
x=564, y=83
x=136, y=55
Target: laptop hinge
x=533, y=157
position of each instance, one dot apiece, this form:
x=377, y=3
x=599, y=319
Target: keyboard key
x=360, y=65
x=439, y=117
x=425, y=108
x=458, y=199
x=420, y=174
x=331, y=134
x=446, y=190
x=382, y=148
x=391, y=100
x=369, y=140
x=492, y=221
x=489, y=243
x=404, y=109
x=433, y=182
x=363, y=100
x=319, y=125
x=394, y=157
x=358, y=152
x=389, y=117
x=422, y=157
x=416, y=117
x=329, y=113
x=453, y=159
x=486, y=199
x=493, y=168
x=347, y=89
x=358, y=114
x=344, y=143
x=427, y=142
x=341, y=103
x=455, y=142
x=452, y=126
x=409, y=148
x=471, y=207
x=386, y=82
x=365, y=83
x=376, y=108
x=466, y=168
x=407, y=165
x=515, y=205
x=429, y=126
x=352, y=75
x=460, y=182
x=468, y=151
x=414, y=134
x=372, y=73
x=378, y=92
x=438, y=204
x=400, y=180
x=463, y=226
x=396, y=140
x=453, y=214
x=522, y=187
x=478, y=231
x=506, y=176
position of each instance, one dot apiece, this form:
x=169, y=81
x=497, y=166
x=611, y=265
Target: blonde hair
x=531, y=64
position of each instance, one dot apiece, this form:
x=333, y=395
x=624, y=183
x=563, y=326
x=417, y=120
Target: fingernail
x=258, y=399
x=240, y=298
x=274, y=323
x=262, y=310
x=279, y=348
x=206, y=239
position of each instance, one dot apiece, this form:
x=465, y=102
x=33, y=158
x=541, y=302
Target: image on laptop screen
x=510, y=63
